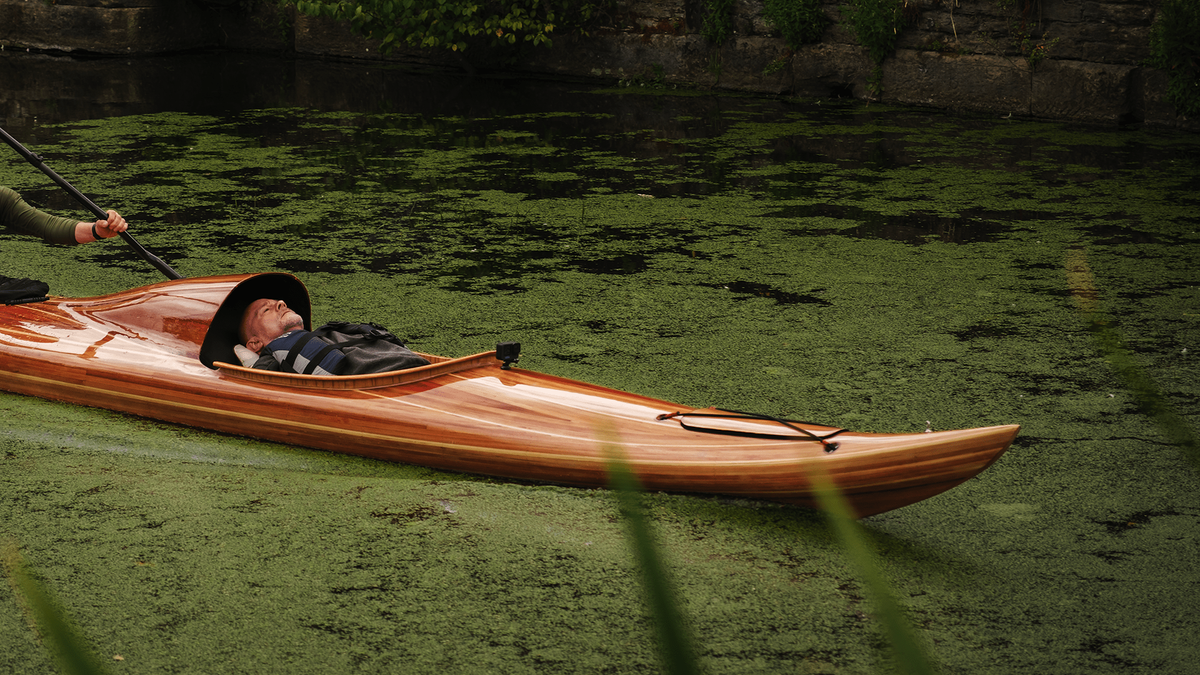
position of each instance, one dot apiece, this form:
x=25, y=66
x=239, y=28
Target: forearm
x=15, y=213
x=84, y=233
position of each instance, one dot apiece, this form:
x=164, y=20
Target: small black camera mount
x=509, y=353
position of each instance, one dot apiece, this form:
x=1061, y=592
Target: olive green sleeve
x=17, y=215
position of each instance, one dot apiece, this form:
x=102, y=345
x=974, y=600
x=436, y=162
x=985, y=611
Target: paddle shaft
x=100, y=213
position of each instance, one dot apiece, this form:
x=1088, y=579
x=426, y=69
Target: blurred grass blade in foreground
x=1111, y=344
x=64, y=642
x=909, y=654
x=674, y=643
x=676, y=646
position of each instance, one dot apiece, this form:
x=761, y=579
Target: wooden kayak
x=164, y=351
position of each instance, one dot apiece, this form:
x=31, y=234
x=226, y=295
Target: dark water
x=879, y=268
x=283, y=133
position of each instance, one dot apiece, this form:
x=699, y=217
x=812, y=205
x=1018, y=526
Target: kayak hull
x=144, y=351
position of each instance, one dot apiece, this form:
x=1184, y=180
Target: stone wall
x=106, y=26
x=1059, y=59
x=1067, y=59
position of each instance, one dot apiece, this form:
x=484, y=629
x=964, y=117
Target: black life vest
x=300, y=351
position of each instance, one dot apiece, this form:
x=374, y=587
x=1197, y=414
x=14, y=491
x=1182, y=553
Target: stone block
x=653, y=15
x=966, y=82
x=1120, y=13
x=1070, y=11
x=756, y=64
x=107, y=26
x=830, y=70
x=1111, y=44
x=1075, y=90
x=321, y=35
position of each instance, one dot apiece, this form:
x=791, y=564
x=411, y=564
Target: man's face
x=266, y=320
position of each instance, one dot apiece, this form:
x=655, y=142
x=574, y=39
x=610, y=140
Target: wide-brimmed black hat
x=222, y=333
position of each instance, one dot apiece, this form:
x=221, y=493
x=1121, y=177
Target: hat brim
x=222, y=332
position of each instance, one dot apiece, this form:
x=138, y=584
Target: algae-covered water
x=884, y=269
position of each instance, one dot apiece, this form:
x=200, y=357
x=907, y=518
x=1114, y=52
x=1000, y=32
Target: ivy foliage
x=718, y=21
x=1175, y=48
x=450, y=24
x=800, y=21
x=876, y=24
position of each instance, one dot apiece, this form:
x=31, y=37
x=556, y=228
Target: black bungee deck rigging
x=806, y=435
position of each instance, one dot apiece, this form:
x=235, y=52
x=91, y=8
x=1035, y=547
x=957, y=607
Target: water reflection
x=503, y=179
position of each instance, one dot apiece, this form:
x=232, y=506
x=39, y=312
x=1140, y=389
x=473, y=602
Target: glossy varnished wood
x=137, y=352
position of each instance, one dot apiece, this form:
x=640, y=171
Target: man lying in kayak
x=16, y=214
x=275, y=339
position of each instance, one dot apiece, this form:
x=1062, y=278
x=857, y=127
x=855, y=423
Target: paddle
x=89, y=204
